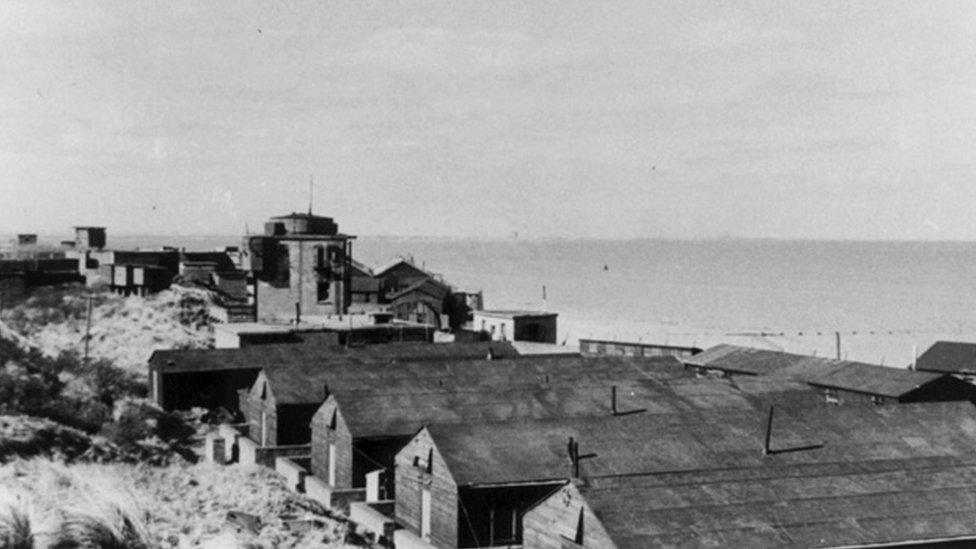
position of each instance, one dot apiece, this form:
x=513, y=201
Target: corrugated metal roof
x=949, y=357
x=264, y=356
x=525, y=450
x=841, y=374
x=797, y=505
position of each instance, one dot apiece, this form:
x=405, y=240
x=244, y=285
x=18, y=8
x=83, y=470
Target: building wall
x=276, y=297
x=538, y=329
x=541, y=329
x=554, y=523
x=411, y=480
x=205, y=389
x=254, y=405
x=322, y=436
x=620, y=348
x=13, y=288
x=498, y=329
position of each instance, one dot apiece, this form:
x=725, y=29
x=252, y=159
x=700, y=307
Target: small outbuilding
x=501, y=325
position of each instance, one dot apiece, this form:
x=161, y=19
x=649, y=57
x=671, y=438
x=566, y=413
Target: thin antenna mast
x=311, y=182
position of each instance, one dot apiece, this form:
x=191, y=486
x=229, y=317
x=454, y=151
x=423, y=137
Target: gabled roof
x=823, y=372
x=428, y=286
x=400, y=409
x=381, y=272
x=264, y=356
x=523, y=451
x=949, y=357
x=797, y=505
x=363, y=269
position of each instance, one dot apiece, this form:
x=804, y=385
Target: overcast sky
x=851, y=119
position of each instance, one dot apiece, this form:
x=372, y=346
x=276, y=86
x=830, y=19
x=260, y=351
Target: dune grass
x=88, y=505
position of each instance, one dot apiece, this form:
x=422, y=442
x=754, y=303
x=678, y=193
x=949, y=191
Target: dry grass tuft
x=180, y=505
x=16, y=528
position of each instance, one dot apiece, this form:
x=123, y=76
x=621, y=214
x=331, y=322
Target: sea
x=885, y=302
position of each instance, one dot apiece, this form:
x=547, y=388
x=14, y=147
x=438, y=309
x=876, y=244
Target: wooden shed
x=212, y=378
x=472, y=474
x=840, y=381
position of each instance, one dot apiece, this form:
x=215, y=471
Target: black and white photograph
x=452, y=274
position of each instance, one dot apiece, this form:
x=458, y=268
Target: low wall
x=232, y=433
x=337, y=499
x=213, y=449
x=294, y=473
x=249, y=453
x=373, y=519
x=404, y=539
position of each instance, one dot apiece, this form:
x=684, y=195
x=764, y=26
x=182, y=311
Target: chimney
x=491, y=354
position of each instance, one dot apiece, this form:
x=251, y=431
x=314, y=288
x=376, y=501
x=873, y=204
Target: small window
x=322, y=290
x=877, y=400
x=831, y=396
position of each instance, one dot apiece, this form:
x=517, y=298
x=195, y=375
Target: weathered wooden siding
x=322, y=436
x=554, y=523
x=252, y=407
x=411, y=480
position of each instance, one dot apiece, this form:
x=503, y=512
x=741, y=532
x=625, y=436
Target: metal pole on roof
x=837, y=336
x=914, y=356
x=769, y=431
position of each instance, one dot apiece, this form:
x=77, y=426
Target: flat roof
x=512, y=313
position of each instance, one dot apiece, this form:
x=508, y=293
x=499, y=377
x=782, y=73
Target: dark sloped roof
x=876, y=380
x=403, y=264
x=521, y=451
x=800, y=505
x=948, y=357
x=840, y=374
x=401, y=410
x=302, y=382
x=748, y=360
x=264, y=356
x=429, y=286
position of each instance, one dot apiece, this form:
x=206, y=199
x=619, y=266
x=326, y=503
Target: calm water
x=884, y=297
